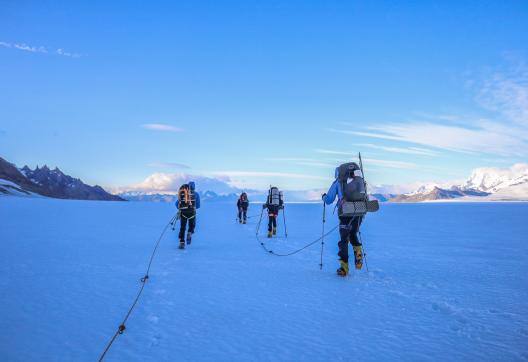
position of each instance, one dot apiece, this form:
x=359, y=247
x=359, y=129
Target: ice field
x=446, y=281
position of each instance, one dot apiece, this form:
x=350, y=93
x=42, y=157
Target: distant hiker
x=242, y=205
x=348, y=186
x=187, y=203
x=274, y=203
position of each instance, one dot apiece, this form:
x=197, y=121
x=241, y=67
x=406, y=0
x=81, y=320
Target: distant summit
x=50, y=183
x=484, y=184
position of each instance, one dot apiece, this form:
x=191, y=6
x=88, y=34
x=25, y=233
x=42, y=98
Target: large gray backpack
x=355, y=200
x=274, y=196
x=353, y=188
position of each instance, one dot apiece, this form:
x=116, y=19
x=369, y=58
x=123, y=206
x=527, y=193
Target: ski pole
x=363, y=251
x=323, y=234
x=284, y=219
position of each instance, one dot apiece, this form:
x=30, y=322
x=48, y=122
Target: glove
x=323, y=196
x=264, y=206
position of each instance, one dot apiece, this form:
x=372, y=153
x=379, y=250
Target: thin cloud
x=315, y=164
x=507, y=94
x=168, y=165
x=483, y=138
x=161, y=127
x=38, y=49
x=503, y=133
x=390, y=163
x=332, y=152
x=267, y=174
x=311, y=162
x=289, y=159
x=370, y=161
x=409, y=150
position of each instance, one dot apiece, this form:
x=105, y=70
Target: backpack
x=353, y=187
x=274, y=196
x=186, y=198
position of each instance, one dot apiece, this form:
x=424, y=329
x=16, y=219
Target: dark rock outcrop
x=52, y=183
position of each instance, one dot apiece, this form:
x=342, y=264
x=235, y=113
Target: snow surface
x=8, y=183
x=446, y=282
x=13, y=189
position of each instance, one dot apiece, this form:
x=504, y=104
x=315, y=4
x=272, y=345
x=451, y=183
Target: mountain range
x=42, y=181
x=484, y=184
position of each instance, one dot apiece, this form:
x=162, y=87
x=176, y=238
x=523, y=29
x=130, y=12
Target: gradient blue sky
x=425, y=90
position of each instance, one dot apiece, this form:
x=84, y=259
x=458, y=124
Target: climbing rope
x=269, y=251
x=143, y=281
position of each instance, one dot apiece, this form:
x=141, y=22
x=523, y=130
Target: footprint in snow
x=153, y=318
x=155, y=340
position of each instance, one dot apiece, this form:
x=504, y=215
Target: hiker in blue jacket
x=348, y=226
x=188, y=202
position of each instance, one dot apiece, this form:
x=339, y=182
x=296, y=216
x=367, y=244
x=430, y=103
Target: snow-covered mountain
x=45, y=182
x=484, y=184
x=207, y=196
x=491, y=179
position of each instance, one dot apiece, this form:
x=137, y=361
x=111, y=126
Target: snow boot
x=182, y=245
x=189, y=238
x=343, y=270
x=244, y=222
x=274, y=231
x=240, y=221
x=269, y=234
x=358, y=256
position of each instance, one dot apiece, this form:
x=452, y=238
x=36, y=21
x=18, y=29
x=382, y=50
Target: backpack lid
x=346, y=171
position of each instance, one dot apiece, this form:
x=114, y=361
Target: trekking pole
x=363, y=250
x=284, y=219
x=322, y=237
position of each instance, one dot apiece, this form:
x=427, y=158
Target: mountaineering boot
x=343, y=270
x=182, y=245
x=240, y=221
x=358, y=256
x=245, y=221
x=269, y=234
x=189, y=238
x=274, y=231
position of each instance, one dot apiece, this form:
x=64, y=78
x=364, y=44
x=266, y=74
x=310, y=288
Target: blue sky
x=262, y=92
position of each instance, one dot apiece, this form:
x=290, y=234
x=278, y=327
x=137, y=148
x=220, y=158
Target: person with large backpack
x=274, y=203
x=242, y=205
x=187, y=203
x=349, y=187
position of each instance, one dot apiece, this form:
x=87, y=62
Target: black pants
x=272, y=222
x=187, y=216
x=242, y=212
x=348, y=230
x=273, y=212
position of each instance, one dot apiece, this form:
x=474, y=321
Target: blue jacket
x=333, y=191
x=196, y=195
